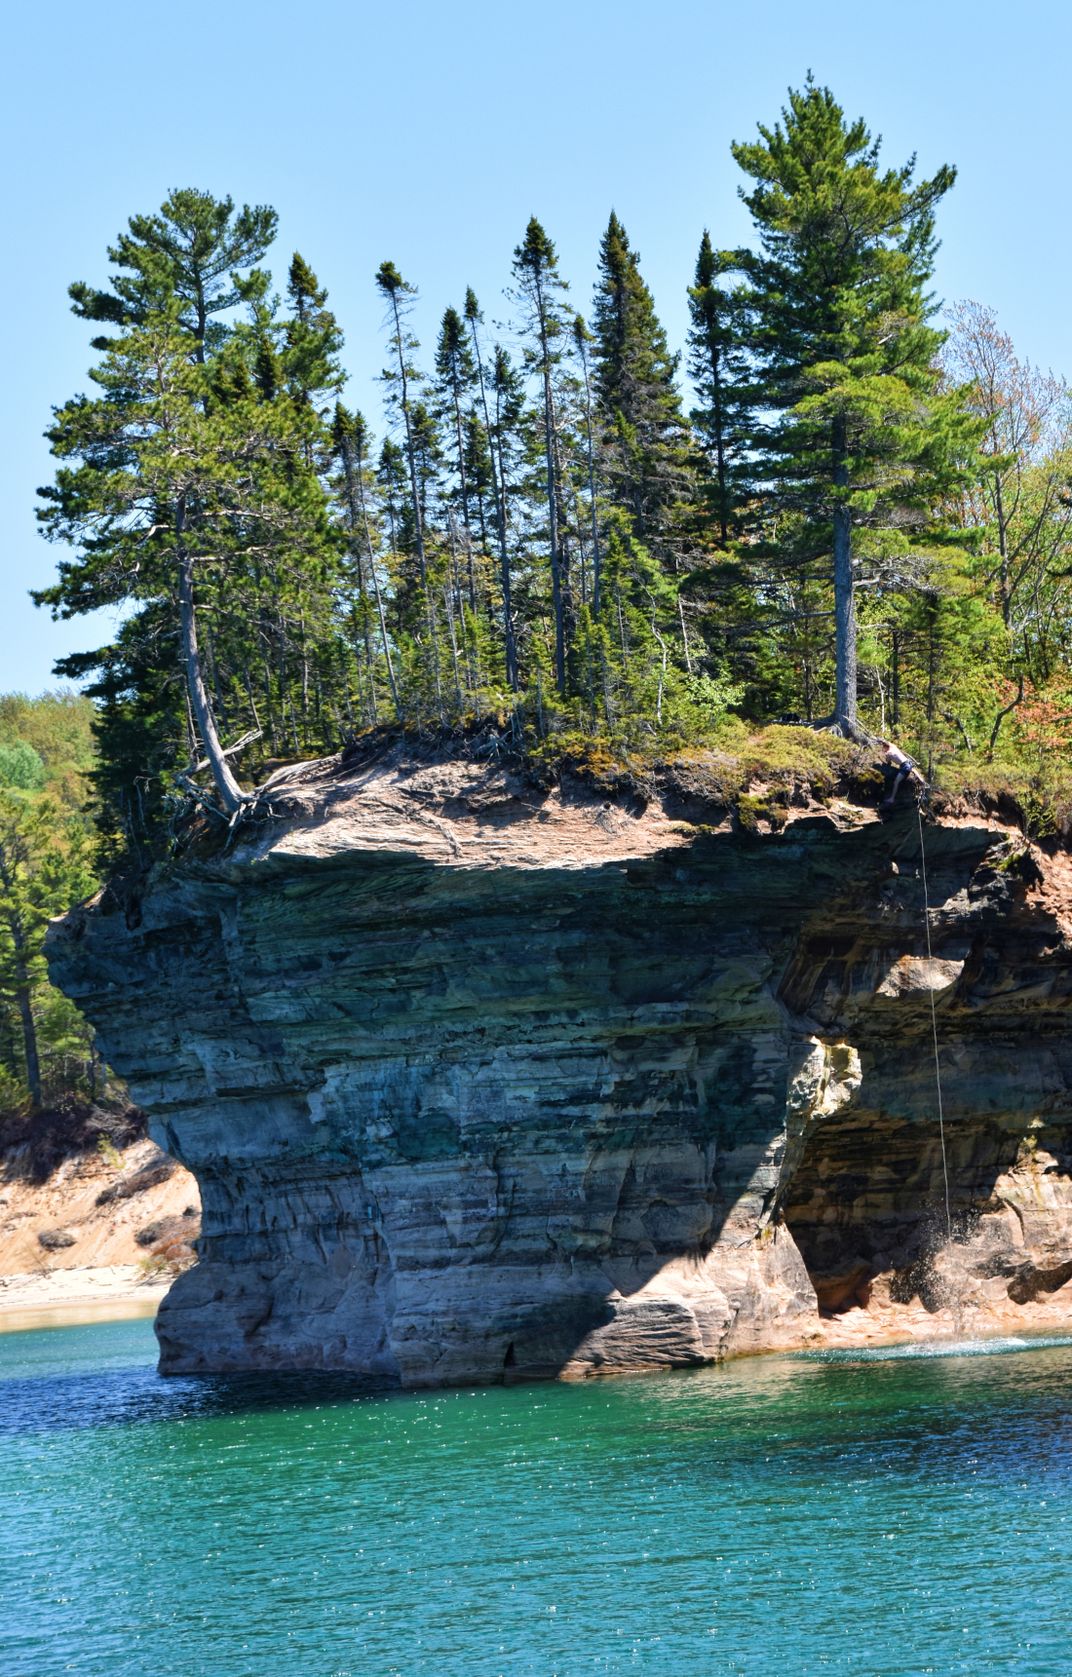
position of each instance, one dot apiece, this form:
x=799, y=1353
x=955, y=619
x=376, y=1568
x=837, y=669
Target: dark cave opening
x=868, y=1199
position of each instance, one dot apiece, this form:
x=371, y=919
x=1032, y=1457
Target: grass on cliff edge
x=758, y=773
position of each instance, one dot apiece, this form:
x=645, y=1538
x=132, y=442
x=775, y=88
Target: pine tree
x=455, y=377
x=508, y=405
x=582, y=337
x=398, y=380
x=191, y=252
x=718, y=367
x=540, y=287
x=350, y=438
x=179, y=478
x=861, y=436
x=645, y=442
x=311, y=340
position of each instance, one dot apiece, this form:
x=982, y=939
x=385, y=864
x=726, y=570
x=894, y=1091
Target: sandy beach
x=92, y=1242
x=65, y=1297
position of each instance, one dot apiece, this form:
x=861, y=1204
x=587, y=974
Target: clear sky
x=429, y=132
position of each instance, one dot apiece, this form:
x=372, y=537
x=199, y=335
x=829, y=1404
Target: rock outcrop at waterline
x=481, y=1081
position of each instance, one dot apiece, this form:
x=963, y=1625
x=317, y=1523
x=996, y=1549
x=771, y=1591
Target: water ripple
x=886, y=1513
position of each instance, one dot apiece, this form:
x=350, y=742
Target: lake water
x=881, y=1514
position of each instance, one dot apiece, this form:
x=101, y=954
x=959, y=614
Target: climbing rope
x=934, y=1021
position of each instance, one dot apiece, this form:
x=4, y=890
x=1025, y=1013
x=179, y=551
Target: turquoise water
x=882, y=1514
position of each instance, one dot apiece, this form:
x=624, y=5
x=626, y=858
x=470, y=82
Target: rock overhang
x=433, y=1024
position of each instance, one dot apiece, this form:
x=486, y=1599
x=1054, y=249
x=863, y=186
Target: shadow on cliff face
x=644, y=1259
x=867, y=1205
x=473, y=1095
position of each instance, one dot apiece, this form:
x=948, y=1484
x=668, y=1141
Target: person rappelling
x=902, y=770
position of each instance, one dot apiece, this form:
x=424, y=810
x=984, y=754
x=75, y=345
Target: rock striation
x=481, y=1081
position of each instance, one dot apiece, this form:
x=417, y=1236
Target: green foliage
x=189, y=489
x=21, y=769
x=723, y=420
x=854, y=521
x=802, y=755
x=645, y=443
x=861, y=433
x=45, y=866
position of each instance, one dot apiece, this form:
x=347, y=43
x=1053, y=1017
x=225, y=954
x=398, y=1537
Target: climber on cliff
x=902, y=769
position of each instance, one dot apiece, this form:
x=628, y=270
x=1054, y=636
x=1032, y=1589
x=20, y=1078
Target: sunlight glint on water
x=894, y=1512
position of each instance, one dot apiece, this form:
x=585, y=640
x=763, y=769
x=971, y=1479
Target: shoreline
x=70, y=1297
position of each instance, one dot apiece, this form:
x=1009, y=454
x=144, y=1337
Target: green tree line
x=850, y=518
x=46, y=855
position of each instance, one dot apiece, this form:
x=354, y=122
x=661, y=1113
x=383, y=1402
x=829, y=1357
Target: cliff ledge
x=481, y=1081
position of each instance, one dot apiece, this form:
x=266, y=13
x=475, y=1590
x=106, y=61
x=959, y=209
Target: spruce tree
x=645, y=441
x=582, y=337
x=718, y=367
x=399, y=379
x=507, y=412
x=351, y=438
x=311, y=340
x=861, y=436
x=455, y=377
x=540, y=286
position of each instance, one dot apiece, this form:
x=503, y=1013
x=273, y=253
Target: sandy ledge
x=68, y=1297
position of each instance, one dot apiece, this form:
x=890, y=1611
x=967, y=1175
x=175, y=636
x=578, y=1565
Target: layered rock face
x=481, y=1082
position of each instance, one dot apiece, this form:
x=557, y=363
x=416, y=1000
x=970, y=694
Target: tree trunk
x=355, y=494
x=720, y=447
x=1003, y=549
x=29, y=1030
x=844, y=595
x=411, y=454
x=552, y=496
x=509, y=639
x=230, y=793
x=463, y=483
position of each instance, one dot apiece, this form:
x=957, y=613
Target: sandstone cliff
x=481, y=1081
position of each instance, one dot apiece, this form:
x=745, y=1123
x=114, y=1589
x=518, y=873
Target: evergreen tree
x=177, y=481
x=398, y=379
x=311, y=340
x=350, y=438
x=190, y=254
x=645, y=444
x=860, y=435
x=540, y=286
x=546, y=522
x=392, y=480
x=582, y=337
x=718, y=367
x=508, y=404
x=455, y=377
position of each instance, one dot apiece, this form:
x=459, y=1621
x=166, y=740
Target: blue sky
x=429, y=133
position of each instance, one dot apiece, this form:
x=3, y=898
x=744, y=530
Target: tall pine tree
x=718, y=367
x=541, y=286
x=861, y=435
x=645, y=440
